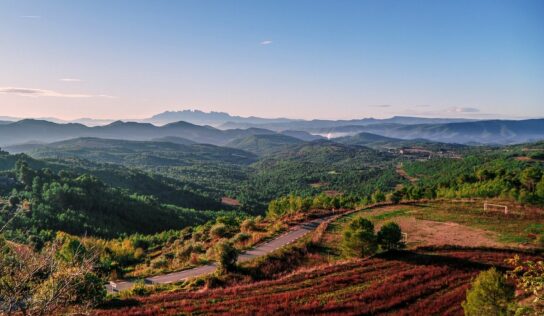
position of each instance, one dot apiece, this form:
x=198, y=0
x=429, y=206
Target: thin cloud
x=463, y=110
x=28, y=92
x=30, y=16
x=70, y=80
x=381, y=106
x=267, y=42
x=423, y=105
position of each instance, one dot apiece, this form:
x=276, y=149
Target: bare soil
x=230, y=201
x=431, y=233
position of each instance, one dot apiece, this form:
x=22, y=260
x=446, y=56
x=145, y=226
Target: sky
x=299, y=59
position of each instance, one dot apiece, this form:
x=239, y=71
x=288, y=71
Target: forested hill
x=265, y=144
x=142, y=153
x=44, y=196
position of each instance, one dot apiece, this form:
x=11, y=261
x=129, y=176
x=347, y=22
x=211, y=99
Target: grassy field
x=493, y=229
x=509, y=229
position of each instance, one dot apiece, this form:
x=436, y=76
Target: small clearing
x=432, y=233
x=230, y=201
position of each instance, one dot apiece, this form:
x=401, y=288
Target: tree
x=540, y=188
x=24, y=173
x=490, y=294
x=14, y=200
x=530, y=177
x=226, y=256
x=378, y=196
x=390, y=236
x=359, y=238
x=396, y=196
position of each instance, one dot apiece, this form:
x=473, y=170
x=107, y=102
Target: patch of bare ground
x=432, y=233
x=401, y=172
x=230, y=201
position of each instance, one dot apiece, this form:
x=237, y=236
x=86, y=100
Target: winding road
x=261, y=250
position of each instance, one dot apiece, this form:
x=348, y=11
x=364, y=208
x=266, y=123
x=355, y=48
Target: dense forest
x=514, y=172
x=110, y=187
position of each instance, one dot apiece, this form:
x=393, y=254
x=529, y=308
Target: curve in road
x=261, y=250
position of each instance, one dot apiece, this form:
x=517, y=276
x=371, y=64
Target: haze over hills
x=483, y=132
x=43, y=131
x=224, y=120
x=30, y=131
x=311, y=125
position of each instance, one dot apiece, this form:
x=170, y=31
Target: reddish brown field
x=423, y=282
x=229, y=201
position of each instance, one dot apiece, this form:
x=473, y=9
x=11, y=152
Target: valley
x=170, y=218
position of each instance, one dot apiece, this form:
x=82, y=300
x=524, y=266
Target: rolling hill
x=27, y=131
x=141, y=153
x=264, y=144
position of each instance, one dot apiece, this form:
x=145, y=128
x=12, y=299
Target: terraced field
x=424, y=282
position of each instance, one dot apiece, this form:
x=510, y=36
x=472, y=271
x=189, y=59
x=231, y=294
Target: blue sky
x=300, y=59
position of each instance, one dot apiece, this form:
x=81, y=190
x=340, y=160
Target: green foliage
x=291, y=204
x=490, y=294
x=313, y=168
x=359, y=238
x=83, y=204
x=389, y=236
x=71, y=248
x=486, y=174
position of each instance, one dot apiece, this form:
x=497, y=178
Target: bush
x=159, y=263
x=390, y=236
x=490, y=294
x=247, y=225
x=241, y=238
x=218, y=231
x=226, y=256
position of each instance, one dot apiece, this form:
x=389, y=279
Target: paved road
x=260, y=250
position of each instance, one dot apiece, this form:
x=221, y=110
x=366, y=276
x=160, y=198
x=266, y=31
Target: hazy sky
x=302, y=59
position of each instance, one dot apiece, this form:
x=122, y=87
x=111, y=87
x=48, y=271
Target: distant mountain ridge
x=209, y=118
x=31, y=131
x=479, y=132
x=312, y=125
x=225, y=120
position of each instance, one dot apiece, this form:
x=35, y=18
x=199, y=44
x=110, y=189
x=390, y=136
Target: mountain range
x=226, y=121
x=29, y=132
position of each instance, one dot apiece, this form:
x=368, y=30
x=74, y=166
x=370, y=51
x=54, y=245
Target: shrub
x=218, y=231
x=226, y=256
x=248, y=225
x=241, y=237
x=159, y=263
